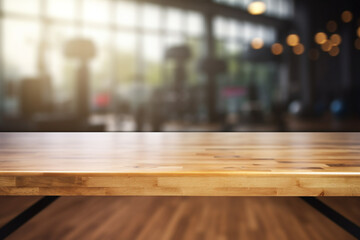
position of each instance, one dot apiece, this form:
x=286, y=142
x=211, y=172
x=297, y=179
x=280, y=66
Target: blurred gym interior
x=205, y=65
x=179, y=65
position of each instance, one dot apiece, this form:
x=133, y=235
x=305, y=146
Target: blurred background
x=156, y=65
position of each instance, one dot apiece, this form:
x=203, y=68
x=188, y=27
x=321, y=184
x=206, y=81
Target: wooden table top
x=187, y=164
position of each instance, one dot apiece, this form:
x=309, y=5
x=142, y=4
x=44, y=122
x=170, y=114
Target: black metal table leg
x=25, y=216
x=334, y=216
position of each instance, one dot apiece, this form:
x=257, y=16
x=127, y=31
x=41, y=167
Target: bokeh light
x=320, y=38
x=346, y=16
x=335, y=39
x=257, y=8
x=257, y=43
x=334, y=51
x=292, y=40
x=277, y=49
x=299, y=49
x=331, y=26
x=357, y=44
x=326, y=46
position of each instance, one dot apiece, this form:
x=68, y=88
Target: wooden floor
x=158, y=218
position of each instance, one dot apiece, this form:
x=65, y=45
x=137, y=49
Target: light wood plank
x=180, y=164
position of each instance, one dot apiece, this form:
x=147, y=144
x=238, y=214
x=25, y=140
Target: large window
x=130, y=39
x=233, y=44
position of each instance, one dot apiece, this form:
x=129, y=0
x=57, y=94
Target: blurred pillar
x=2, y=80
x=303, y=25
x=82, y=92
x=284, y=69
x=211, y=100
x=114, y=62
x=346, y=58
x=140, y=61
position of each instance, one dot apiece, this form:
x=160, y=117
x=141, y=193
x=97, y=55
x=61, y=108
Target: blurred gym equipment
x=35, y=96
x=180, y=55
x=83, y=50
x=213, y=67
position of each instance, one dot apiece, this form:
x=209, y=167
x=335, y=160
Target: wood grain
x=183, y=164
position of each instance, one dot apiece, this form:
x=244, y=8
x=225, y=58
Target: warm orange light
x=358, y=31
x=314, y=54
x=326, y=46
x=257, y=43
x=299, y=49
x=335, y=39
x=334, y=51
x=292, y=40
x=346, y=16
x=257, y=7
x=277, y=49
x=357, y=44
x=331, y=26
x=320, y=38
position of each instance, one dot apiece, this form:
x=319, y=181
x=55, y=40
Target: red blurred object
x=234, y=91
x=102, y=100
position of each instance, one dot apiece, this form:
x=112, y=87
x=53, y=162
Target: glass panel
x=221, y=27
x=152, y=55
x=269, y=35
x=96, y=11
x=197, y=54
x=233, y=29
x=126, y=13
x=61, y=69
x=248, y=32
x=150, y=16
x=174, y=40
x=20, y=48
x=125, y=57
x=64, y=9
x=232, y=47
x=174, y=20
x=195, y=24
x=22, y=6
